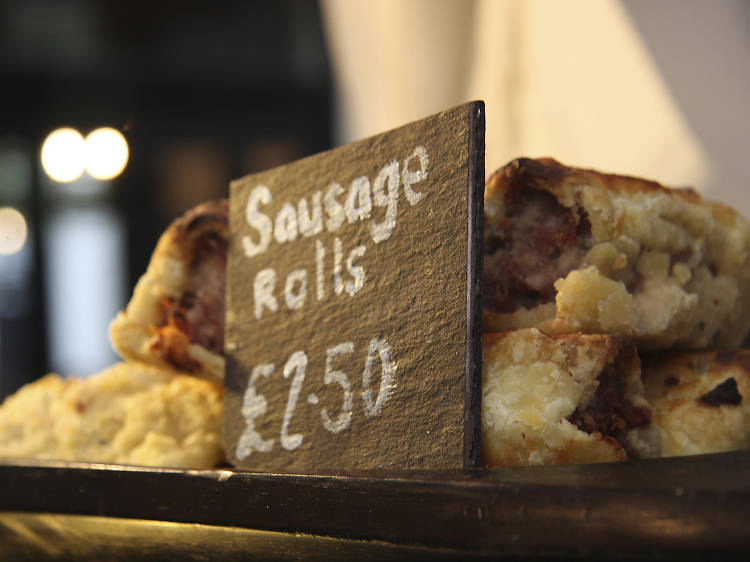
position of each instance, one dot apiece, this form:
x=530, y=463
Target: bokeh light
x=106, y=153
x=63, y=155
x=13, y=230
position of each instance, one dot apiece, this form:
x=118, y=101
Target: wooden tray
x=686, y=508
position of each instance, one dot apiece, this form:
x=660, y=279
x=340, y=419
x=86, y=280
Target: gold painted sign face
x=353, y=305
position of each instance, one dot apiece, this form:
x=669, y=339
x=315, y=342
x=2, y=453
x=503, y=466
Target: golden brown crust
x=701, y=400
x=624, y=255
x=175, y=316
x=573, y=398
x=548, y=173
x=129, y=413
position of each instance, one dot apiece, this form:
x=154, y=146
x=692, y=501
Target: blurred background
x=204, y=92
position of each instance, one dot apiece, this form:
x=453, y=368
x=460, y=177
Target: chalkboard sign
x=353, y=305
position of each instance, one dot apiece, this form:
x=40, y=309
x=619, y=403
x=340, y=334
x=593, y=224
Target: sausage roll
x=175, y=317
x=570, y=250
x=557, y=399
x=701, y=400
x=127, y=414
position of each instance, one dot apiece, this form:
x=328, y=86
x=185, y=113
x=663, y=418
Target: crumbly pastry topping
x=129, y=413
x=571, y=250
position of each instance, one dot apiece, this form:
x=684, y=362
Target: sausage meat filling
x=198, y=315
x=538, y=242
x=609, y=412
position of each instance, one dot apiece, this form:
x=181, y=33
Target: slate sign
x=353, y=305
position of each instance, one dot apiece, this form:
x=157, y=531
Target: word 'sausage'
x=307, y=219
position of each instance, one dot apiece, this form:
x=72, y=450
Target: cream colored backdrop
x=570, y=79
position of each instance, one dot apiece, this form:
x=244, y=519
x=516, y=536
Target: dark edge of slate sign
x=475, y=252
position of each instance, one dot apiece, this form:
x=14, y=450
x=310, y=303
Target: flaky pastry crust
x=175, y=317
x=570, y=250
x=129, y=413
x=572, y=398
x=701, y=400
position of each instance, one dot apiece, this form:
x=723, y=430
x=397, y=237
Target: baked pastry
x=570, y=250
x=175, y=317
x=572, y=398
x=127, y=414
x=701, y=400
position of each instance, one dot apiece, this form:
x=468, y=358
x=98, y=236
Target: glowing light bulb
x=13, y=230
x=63, y=155
x=106, y=153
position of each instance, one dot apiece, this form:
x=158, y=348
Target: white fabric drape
x=569, y=79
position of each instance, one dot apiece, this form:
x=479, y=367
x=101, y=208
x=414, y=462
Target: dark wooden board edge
x=474, y=259
x=687, y=508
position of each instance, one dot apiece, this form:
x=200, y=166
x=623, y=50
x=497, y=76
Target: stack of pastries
x=162, y=404
x=613, y=312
